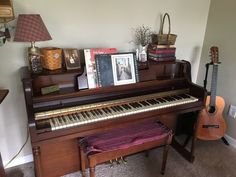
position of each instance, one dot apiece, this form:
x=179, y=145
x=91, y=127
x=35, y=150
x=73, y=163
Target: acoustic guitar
x=211, y=124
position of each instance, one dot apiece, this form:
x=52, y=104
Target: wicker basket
x=51, y=58
x=164, y=39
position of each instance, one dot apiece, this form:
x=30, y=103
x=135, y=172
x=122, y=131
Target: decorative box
x=51, y=58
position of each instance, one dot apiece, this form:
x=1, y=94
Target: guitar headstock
x=214, y=55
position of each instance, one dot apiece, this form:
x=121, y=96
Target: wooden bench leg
x=92, y=171
x=165, y=153
x=83, y=159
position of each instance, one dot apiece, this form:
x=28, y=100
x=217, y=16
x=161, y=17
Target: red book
x=162, y=51
x=89, y=55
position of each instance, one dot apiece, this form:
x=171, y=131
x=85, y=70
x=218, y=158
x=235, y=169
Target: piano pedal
x=111, y=164
x=117, y=161
x=123, y=160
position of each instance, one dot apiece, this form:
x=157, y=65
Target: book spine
x=161, y=46
x=136, y=68
x=89, y=68
x=99, y=82
x=163, y=58
x=161, y=51
x=162, y=55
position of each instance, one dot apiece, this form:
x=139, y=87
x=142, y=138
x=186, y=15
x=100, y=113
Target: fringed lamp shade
x=30, y=28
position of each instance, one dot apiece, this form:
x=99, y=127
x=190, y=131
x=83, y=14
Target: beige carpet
x=213, y=159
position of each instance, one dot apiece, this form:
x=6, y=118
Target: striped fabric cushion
x=123, y=138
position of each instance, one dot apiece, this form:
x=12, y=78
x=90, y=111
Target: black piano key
x=60, y=120
x=146, y=103
x=77, y=116
x=173, y=98
x=100, y=112
x=161, y=100
x=96, y=112
x=105, y=110
x=132, y=105
x=166, y=98
x=108, y=109
x=184, y=96
x=112, y=107
x=53, y=121
x=142, y=102
x=128, y=106
x=150, y=101
x=87, y=114
x=119, y=106
x=64, y=119
x=139, y=105
x=83, y=114
x=124, y=106
x=154, y=101
x=117, y=109
x=177, y=97
x=93, y=112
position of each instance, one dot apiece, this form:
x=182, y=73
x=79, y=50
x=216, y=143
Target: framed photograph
x=72, y=59
x=123, y=68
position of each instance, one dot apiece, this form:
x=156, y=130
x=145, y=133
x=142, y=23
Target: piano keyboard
x=80, y=115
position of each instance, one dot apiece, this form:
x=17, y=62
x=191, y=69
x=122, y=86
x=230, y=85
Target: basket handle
x=162, y=23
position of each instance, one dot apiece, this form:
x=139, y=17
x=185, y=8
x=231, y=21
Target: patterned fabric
x=125, y=137
x=30, y=28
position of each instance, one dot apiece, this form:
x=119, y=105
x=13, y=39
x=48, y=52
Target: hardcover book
x=104, y=70
x=89, y=55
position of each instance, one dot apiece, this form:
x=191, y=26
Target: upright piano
x=57, y=121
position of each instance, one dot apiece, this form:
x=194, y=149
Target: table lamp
x=30, y=28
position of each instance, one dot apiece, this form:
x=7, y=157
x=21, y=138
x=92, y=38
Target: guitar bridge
x=210, y=126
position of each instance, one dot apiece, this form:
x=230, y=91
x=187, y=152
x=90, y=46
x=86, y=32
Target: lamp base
x=35, y=59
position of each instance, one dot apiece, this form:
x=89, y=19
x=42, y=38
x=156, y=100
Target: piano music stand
x=3, y=94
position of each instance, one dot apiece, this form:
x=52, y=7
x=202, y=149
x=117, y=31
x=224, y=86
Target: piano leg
x=37, y=163
x=83, y=161
x=191, y=135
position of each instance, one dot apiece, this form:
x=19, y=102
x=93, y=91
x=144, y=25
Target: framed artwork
x=72, y=59
x=123, y=67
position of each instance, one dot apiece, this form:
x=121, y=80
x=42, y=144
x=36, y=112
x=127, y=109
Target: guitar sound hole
x=212, y=109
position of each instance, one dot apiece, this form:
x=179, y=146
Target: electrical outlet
x=232, y=111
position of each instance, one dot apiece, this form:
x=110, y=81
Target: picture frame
x=123, y=68
x=72, y=59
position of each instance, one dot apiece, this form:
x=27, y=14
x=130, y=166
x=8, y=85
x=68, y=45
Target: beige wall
x=220, y=31
x=91, y=23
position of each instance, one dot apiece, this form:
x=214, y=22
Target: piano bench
x=116, y=143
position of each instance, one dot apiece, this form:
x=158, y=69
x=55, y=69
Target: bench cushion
x=122, y=138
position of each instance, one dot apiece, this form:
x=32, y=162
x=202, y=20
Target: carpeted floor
x=212, y=159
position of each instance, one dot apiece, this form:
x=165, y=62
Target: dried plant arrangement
x=142, y=35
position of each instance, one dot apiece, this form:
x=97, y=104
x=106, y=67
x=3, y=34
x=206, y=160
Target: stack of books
x=161, y=52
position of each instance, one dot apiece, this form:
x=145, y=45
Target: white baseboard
x=19, y=161
x=29, y=158
x=230, y=140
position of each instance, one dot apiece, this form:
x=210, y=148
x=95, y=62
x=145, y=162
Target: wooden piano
x=56, y=121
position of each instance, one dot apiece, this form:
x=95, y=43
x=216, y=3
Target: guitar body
x=211, y=126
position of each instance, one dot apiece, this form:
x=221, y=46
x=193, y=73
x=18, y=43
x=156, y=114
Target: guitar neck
x=213, y=85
